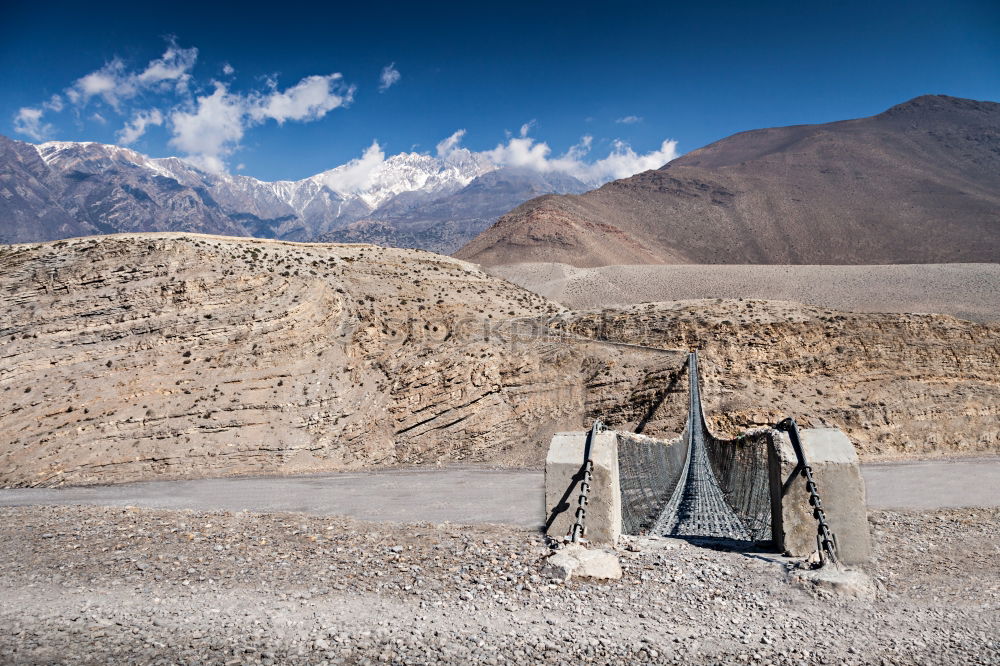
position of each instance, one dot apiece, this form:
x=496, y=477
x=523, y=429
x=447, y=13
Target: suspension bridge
x=757, y=489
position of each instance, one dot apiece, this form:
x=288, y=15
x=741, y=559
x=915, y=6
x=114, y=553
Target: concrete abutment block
x=841, y=488
x=563, y=473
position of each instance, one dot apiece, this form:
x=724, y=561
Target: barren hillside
x=134, y=356
x=919, y=183
x=967, y=291
x=172, y=355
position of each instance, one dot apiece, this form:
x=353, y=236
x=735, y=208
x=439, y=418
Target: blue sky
x=631, y=73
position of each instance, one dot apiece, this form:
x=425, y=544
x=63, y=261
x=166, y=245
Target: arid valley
x=172, y=356
x=286, y=357
x=500, y=335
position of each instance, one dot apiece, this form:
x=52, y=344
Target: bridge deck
x=698, y=507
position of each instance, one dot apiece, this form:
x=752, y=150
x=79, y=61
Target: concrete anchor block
x=563, y=473
x=837, y=473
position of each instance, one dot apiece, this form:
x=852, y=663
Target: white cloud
x=174, y=65
x=310, y=99
x=110, y=83
x=525, y=152
x=580, y=150
x=623, y=162
x=113, y=83
x=629, y=120
x=28, y=121
x=55, y=103
x=447, y=146
x=211, y=131
x=136, y=127
x=357, y=174
x=389, y=77
x=213, y=128
x=522, y=151
x=206, y=127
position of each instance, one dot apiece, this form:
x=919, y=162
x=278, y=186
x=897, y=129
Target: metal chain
x=826, y=542
x=586, y=475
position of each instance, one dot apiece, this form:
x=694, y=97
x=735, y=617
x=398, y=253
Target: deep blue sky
x=692, y=74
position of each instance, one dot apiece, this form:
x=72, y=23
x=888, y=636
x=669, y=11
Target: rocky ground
x=97, y=585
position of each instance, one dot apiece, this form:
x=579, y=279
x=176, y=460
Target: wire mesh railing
x=650, y=471
x=741, y=470
x=655, y=474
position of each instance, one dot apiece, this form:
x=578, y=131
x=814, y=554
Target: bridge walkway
x=698, y=506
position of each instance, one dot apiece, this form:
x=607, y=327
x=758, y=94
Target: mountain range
x=63, y=189
x=918, y=183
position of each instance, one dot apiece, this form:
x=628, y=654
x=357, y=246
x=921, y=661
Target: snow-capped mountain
x=89, y=188
x=60, y=188
x=444, y=224
x=406, y=172
x=335, y=198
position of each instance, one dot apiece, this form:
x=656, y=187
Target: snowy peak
x=364, y=183
x=375, y=181
x=90, y=155
x=111, y=188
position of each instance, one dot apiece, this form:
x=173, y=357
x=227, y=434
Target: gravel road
x=456, y=494
x=476, y=495
x=933, y=484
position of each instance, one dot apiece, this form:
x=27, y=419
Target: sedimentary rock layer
x=898, y=384
x=173, y=355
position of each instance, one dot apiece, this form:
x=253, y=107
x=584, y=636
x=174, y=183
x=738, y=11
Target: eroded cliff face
x=128, y=357
x=898, y=385
x=171, y=355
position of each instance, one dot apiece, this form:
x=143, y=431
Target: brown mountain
x=919, y=183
